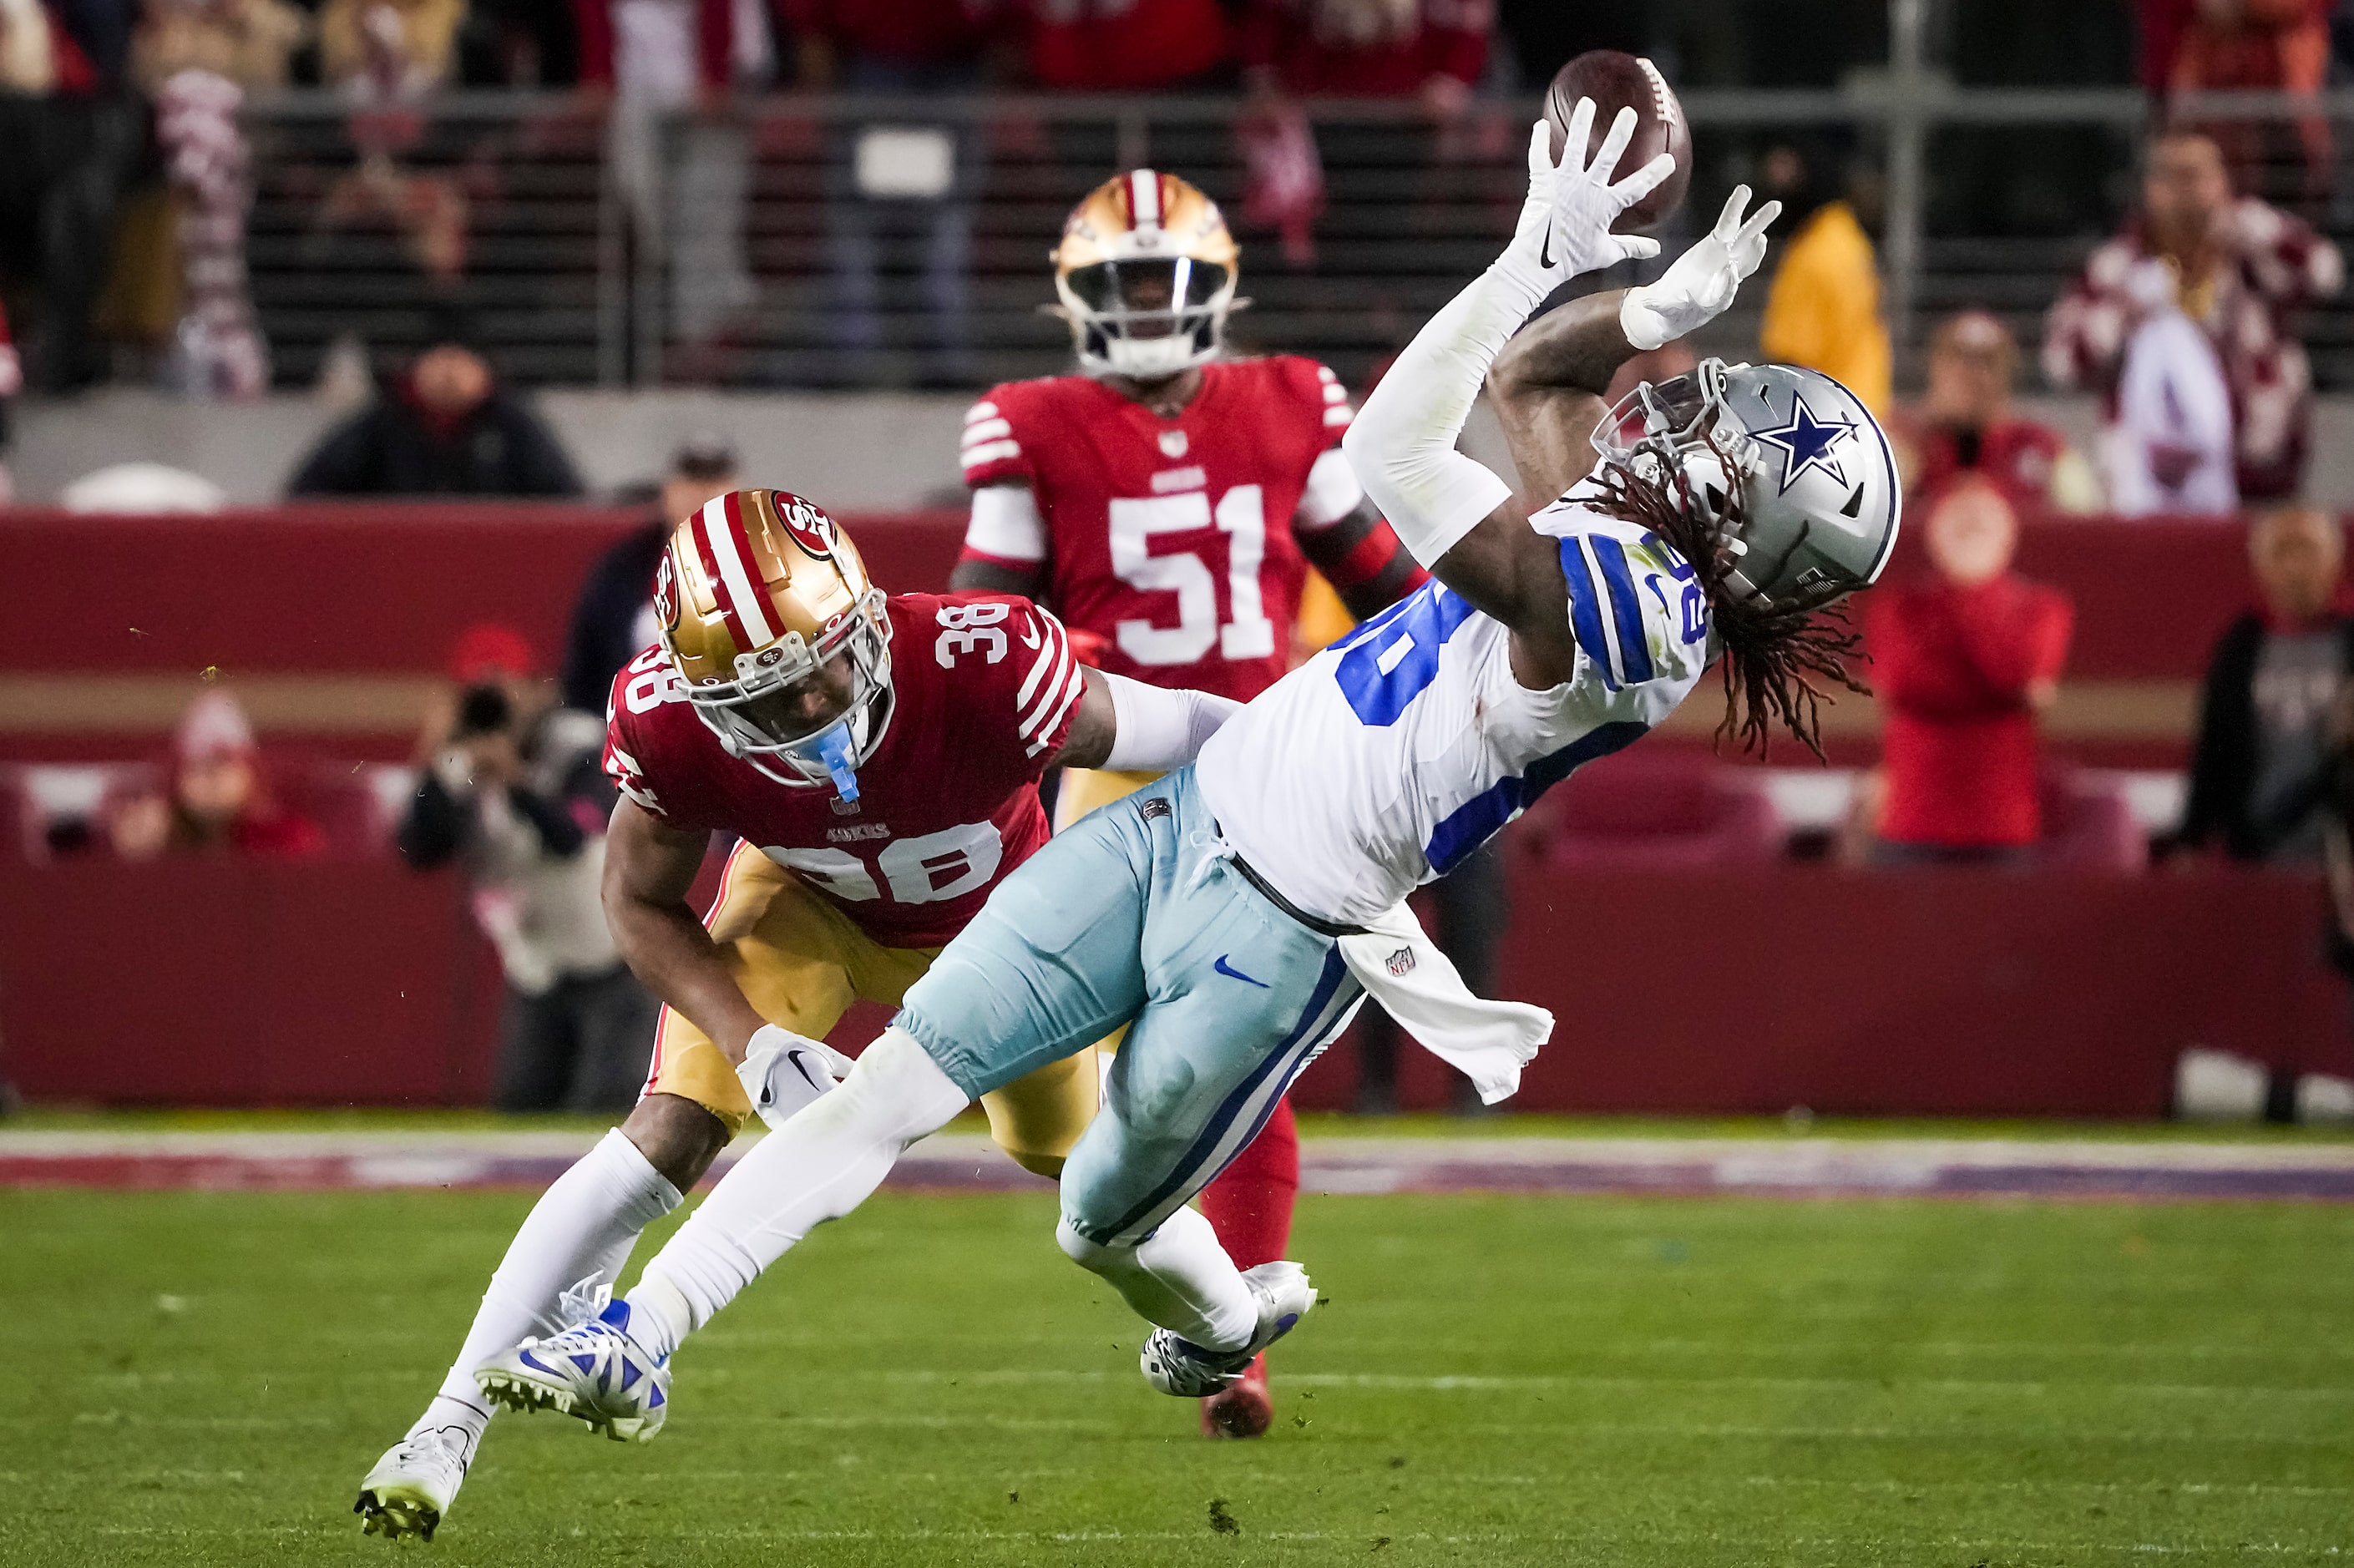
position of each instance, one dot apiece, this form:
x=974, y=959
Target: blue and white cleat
x=414, y=1484
x=1188, y=1371
x=593, y=1370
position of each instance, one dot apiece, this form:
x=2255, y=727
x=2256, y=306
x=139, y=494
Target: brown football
x=1615, y=80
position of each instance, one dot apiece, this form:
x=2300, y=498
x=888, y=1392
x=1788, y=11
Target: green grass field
x=204, y=1378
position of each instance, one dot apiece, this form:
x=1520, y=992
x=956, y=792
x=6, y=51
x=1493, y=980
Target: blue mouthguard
x=840, y=755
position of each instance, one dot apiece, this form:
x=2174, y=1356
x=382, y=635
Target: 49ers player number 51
x=1168, y=504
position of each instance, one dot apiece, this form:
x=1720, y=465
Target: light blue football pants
x=1135, y=914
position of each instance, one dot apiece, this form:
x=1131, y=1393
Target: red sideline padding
x=1921, y=992
x=217, y=981
x=384, y=586
x=334, y=588
x=1736, y=990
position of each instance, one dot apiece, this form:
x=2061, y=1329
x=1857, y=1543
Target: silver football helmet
x=1818, y=502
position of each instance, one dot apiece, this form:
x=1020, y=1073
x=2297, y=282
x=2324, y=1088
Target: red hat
x=488, y=650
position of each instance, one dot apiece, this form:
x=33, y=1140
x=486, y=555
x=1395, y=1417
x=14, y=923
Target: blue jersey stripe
x=1586, y=611
x=1471, y=824
x=1625, y=609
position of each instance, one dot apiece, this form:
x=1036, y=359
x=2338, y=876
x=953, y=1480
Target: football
x=1615, y=80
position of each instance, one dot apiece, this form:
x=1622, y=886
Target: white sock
x=819, y=1166
x=580, y=1231
x=1179, y=1278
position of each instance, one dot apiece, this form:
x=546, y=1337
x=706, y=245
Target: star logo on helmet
x=1807, y=442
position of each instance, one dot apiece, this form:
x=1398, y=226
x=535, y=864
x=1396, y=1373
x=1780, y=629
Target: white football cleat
x=414, y=1484
x=593, y=1370
x=1179, y=1367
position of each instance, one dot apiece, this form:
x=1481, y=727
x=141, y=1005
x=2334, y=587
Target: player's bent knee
x=679, y=1137
x=1093, y=1256
x=897, y=1084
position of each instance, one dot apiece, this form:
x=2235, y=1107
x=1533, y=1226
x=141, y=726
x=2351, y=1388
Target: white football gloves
x=1564, y=228
x=782, y=1072
x=1700, y=285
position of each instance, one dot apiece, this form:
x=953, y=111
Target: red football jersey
x=1171, y=539
x=983, y=691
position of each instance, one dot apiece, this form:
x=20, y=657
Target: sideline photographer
x=509, y=784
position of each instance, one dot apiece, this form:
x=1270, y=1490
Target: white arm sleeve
x=1160, y=727
x=1403, y=442
x=1006, y=524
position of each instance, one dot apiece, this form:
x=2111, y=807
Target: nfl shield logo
x=1400, y=962
x=1173, y=443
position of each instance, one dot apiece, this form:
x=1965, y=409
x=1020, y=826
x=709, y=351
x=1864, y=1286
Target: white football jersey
x=1385, y=759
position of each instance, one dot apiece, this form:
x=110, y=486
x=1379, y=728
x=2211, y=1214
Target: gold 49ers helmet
x=1146, y=272
x=770, y=619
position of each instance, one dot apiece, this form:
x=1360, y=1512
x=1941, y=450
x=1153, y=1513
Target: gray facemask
x=1819, y=500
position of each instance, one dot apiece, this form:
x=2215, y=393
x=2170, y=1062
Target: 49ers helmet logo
x=811, y=528
x=667, y=595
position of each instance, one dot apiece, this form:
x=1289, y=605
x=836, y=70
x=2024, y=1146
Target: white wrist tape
x=1161, y=727
x=1403, y=442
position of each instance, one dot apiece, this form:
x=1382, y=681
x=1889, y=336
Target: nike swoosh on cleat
x=1228, y=969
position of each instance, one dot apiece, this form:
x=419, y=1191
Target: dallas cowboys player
x=1238, y=910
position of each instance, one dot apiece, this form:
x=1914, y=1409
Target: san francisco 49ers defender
x=879, y=757
x=1167, y=503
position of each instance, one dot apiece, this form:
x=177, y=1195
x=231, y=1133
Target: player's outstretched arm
x=650, y=866
x=1456, y=517
x=1131, y=726
x=1547, y=385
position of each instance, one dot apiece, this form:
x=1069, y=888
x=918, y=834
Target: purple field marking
x=1950, y=1169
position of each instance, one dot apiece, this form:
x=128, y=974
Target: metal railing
x=737, y=250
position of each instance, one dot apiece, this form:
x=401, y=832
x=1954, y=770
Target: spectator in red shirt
x=1965, y=425
x=219, y=800
x=1121, y=46
x=1434, y=49
x=2257, y=45
x=1961, y=665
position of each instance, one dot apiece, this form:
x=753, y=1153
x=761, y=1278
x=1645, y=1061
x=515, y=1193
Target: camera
x=483, y=710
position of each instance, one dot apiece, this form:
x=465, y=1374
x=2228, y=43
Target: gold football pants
x=802, y=962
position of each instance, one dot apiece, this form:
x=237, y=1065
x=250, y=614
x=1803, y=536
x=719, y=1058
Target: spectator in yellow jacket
x=1823, y=309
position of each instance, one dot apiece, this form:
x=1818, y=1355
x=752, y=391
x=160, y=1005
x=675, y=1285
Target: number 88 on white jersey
x=1385, y=759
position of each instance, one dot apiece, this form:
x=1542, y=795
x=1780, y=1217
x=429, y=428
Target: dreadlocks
x=1771, y=652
